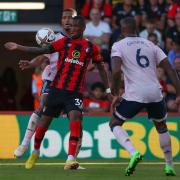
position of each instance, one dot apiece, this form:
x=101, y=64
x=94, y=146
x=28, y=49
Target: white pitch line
x=86, y=163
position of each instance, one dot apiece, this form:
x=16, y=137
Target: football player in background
x=47, y=76
x=138, y=59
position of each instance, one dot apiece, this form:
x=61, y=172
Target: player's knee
x=45, y=121
x=161, y=127
x=75, y=115
x=114, y=122
x=41, y=106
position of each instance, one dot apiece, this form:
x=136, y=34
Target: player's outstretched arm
x=26, y=64
x=11, y=46
x=172, y=74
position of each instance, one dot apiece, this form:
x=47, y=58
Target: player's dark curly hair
x=129, y=22
x=81, y=20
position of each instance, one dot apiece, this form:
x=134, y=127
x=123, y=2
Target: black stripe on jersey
x=66, y=48
x=83, y=68
x=71, y=68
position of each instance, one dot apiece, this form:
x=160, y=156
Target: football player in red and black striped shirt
x=75, y=53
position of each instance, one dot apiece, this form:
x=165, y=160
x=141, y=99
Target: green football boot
x=169, y=170
x=135, y=159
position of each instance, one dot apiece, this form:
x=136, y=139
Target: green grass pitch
x=95, y=170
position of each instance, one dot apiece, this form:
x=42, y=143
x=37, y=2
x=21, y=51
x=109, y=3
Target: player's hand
x=24, y=64
x=11, y=46
x=114, y=103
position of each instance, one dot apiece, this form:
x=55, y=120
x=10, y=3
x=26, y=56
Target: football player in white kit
x=138, y=59
x=47, y=76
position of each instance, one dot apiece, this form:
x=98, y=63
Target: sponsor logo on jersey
x=76, y=54
x=74, y=61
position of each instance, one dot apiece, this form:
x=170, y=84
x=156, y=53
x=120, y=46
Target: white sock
x=123, y=139
x=165, y=142
x=70, y=158
x=30, y=129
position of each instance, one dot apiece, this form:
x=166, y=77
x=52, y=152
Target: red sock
x=40, y=132
x=75, y=133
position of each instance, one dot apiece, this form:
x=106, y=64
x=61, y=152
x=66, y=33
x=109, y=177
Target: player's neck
x=77, y=38
x=65, y=33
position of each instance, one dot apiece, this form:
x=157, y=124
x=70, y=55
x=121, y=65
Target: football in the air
x=45, y=36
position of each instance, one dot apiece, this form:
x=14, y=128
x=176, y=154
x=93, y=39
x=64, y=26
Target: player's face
x=77, y=30
x=66, y=20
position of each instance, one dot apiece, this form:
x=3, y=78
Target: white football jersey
x=50, y=70
x=140, y=58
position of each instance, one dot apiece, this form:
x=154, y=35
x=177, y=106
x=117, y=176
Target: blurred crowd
x=157, y=20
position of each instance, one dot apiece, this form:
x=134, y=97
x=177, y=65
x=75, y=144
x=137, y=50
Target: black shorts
x=61, y=100
x=128, y=109
x=46, y=87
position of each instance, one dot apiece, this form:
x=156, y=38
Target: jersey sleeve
x=57, y=45
x=159, y=54
x=96, y=55
x=115, y=51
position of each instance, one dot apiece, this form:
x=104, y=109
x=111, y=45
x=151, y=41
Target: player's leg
x=50, y=110
x=75, y=134
x=34, y=118
x=19, y=151
x=73, y=107
x=157, y=112
x=126, y=110
x=79, y=144
x=165, y=143
x=41, y=129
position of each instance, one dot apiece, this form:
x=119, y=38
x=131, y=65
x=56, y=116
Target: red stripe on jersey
x=74, y=58
x=60, y=46
x=65, y=70
x=74, y=83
